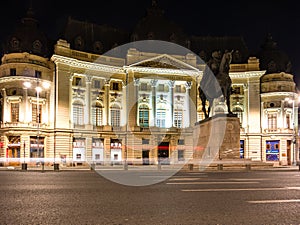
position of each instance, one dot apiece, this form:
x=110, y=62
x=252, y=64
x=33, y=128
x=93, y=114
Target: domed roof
x=156, y=27
x=272, y=59
x=27, y=37
x=277, y=82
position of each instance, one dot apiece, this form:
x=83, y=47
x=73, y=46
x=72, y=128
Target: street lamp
x=39, y=88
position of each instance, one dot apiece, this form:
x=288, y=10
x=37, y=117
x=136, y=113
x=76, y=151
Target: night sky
x=250, y=19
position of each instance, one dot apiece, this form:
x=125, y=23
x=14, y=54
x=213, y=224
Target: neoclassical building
x=68, y=101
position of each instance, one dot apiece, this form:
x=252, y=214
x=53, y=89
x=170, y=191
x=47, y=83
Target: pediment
x=165, y=62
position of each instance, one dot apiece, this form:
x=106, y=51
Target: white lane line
x=184, y=178
x=275, y=201
x=240, y=189
x=215, y=182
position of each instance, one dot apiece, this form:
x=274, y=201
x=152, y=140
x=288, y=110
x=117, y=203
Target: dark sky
x=250, y=19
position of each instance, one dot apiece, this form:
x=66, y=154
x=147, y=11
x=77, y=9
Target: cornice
x=248, y=74
x=86, y=65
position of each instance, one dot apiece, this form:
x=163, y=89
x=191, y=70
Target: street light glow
x=27, y=84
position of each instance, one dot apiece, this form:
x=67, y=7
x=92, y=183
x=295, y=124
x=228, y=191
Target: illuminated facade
x=76, y=105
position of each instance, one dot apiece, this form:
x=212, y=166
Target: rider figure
x=214, y=62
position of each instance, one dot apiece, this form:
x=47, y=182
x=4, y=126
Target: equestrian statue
x=216, y=81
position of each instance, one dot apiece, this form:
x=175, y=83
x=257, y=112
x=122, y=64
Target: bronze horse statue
x=215, y=83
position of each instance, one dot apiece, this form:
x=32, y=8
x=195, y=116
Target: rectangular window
x=38, y=74
x=14, y=112
x=161, y=87
x=180, y=141
x=115, y=117
x=13, y=72
x=78, y=156
x=161, y=118
x=178, y=119
x=97, y=156
x=115, y=86
x=77, y=81
x=180, y=155
x=178, y=88
x=145, y=141
x=143, y=86
x=97, y=116
x=36, y=113
x=78, y=114
x=288, y=121
x=272, y=121
x=97, y=83
x=144, y=118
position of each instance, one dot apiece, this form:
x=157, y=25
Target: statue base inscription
x=217, y=138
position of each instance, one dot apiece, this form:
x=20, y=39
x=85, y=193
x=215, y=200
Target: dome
x=272, y=59
x=277, y=82
x=154, y=26
x=27, y=38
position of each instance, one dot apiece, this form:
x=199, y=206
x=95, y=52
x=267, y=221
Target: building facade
x=73, y=104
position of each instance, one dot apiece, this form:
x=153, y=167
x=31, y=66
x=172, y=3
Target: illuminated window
x=144, y=116
x=161, y=118
x=14, y=112
x=36, y=113
x=272, y=121
x=78, y=113
x=97, y=112
x=178, y=114
x=115, y=115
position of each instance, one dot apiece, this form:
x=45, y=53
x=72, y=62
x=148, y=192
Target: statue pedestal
x=217, y=138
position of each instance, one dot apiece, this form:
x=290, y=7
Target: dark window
x=38, y=74
x=13, y=71
x=115, y=86
x=180, y=141
x=145, y=141
x=96, y=83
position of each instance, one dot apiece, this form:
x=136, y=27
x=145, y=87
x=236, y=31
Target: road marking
x=275, y=201
x=241, y=189
x=184, y=178
x=215, y=182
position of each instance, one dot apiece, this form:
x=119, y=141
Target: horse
x=215, y=85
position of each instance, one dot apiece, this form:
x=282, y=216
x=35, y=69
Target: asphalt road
x=85, y=197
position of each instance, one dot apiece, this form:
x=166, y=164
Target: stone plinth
x=217, y=137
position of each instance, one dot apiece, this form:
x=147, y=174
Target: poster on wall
x=78, y=149
x=241, y=149
x=98, y=150
x=272, y=150
x=116, y=151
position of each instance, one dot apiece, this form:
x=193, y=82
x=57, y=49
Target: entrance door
x=163, y=153
x=145, y=156
x=288, y=149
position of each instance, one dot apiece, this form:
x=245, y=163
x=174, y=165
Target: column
x=136, y=87
x=171, y=85
x=6, y=113
x=88, y=100
x=106, y=102
x=153, y=85
x=71, y=100
x=189, y=114
x=25, y=106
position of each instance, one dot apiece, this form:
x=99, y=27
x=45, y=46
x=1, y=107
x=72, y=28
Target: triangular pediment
x=165, y=62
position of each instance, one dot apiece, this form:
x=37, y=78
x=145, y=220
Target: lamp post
x=39, y=88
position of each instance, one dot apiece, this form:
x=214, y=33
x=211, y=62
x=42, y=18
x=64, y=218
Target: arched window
x=115, y=114
x=36, y=113
x=78, y=113
x=239, y=111
x=219, y=110
x=97, y=114
x=144, y=115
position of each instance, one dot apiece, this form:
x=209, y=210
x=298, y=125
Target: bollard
x=191, y=167
x=220, y=166
x=248, y=167
x=56, y=167
x=24, y=166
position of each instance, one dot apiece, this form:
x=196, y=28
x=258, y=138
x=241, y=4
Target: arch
x=115, y=115
x=239, y=111
x=97, y=113
x=78, y=112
